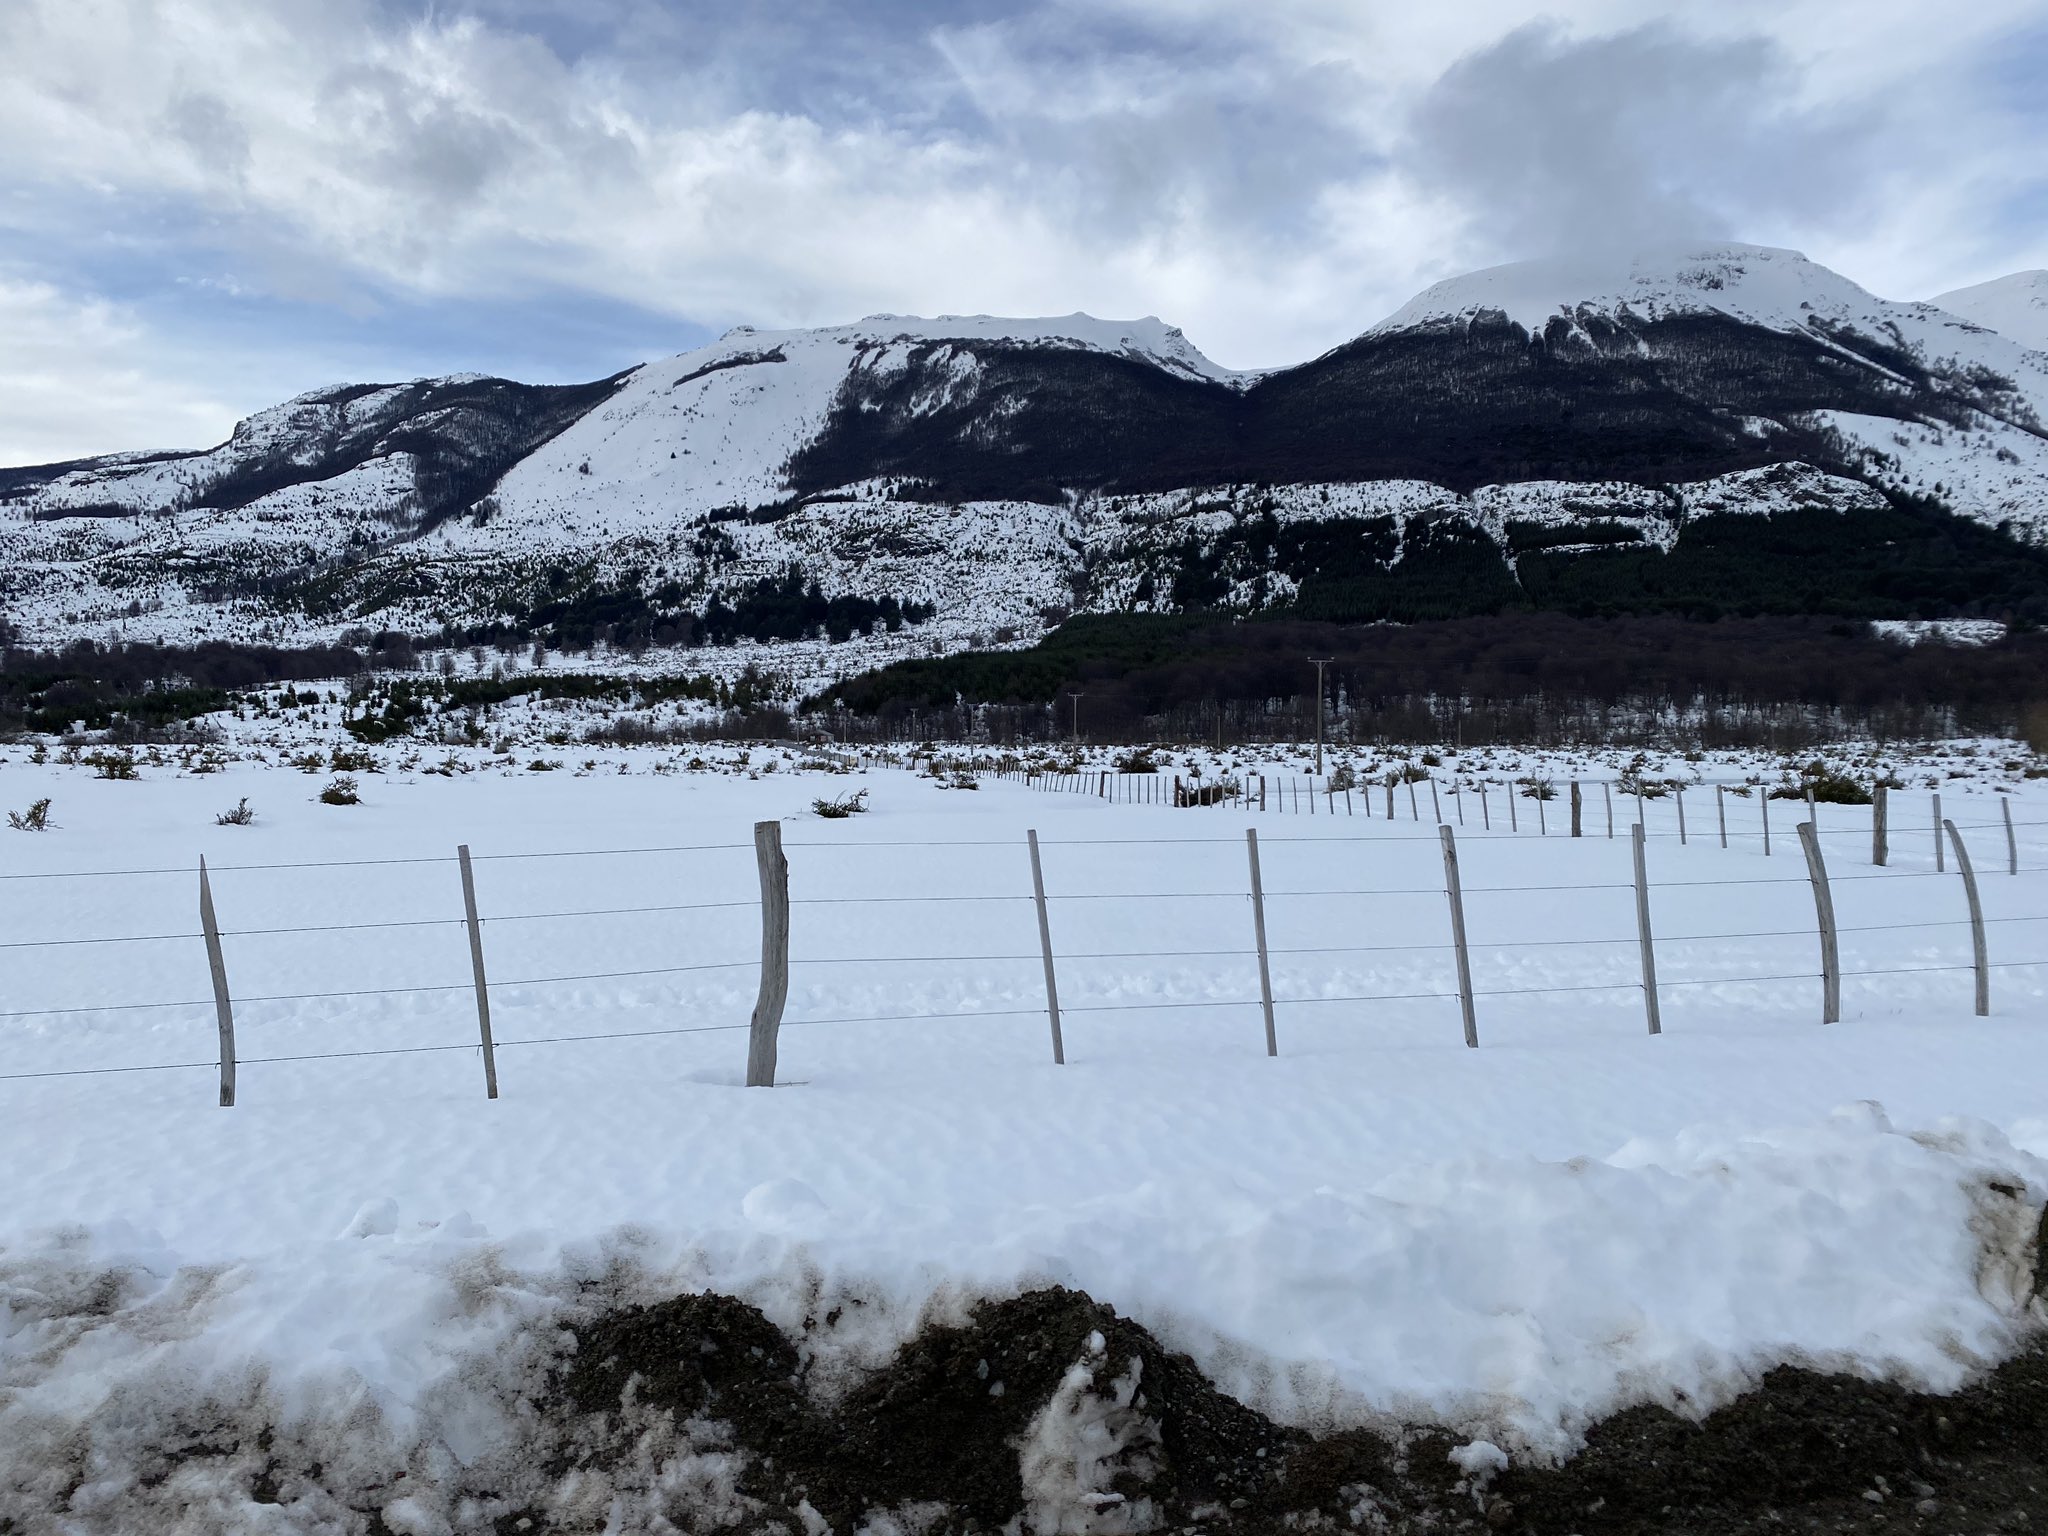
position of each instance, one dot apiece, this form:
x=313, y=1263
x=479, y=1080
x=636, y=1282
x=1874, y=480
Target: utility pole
x=1077, y=698
x=1319, y=662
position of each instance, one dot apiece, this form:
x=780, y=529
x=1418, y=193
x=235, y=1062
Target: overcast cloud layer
x=210, y=205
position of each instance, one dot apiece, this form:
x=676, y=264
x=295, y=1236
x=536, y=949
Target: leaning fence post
x=1414, y=807
x=476, y=965
x=1643, y=932
x=1456, y=893
x=1436, y=806
x=1940, y=859
x=2012, y=847
x=1458, y=799
x=1052, y=988
x=1977, y=952
x=1514, y=821
x=1607, y=798
x=1485, y=815
x=1542, y=821
x=223, y=1005
x=1251, y=842
x=1880, y=831
x=1678, y=791
x=1721, y=811
x=1824, y=910
x=1577, y=810
x=767, y=1018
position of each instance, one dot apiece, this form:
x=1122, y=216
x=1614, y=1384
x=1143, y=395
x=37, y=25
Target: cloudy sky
x=209, y=205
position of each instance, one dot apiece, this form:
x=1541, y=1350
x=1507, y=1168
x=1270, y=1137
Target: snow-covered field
x=1378, y=1223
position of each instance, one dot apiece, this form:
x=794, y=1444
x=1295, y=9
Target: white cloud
x=76, y=378
x=1272, y=178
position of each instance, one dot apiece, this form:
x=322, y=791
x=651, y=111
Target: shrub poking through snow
x=844, y=806
x=1138, y=760
x=340, y=790
x=1343, y=777
x=240, y=816
x=35, y=819
x=113, y=765
x=1538, y=789
x=1828, y=786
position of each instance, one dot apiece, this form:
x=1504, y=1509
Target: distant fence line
x=1284, y=793
x=775, y=902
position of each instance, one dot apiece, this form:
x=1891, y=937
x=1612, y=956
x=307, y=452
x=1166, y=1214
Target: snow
x=366, y=1254
x=2015, y=306
x=1781, y=290
x=1951, y=631
x=716, y=427
x=1991, y=471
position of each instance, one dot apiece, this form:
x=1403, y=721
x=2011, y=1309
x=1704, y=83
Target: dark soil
x=941, y=1423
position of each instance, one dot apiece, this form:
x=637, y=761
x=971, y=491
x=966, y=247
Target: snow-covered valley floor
x=367, y=1256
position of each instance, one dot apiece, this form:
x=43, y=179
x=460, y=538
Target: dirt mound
x=950, y=1421
x=1051, y=1411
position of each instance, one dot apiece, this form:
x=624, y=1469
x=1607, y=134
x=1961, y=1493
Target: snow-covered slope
x=718, y=427
x=2015, y=306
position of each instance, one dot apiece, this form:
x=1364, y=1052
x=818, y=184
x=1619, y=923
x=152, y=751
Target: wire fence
x=1433, y=968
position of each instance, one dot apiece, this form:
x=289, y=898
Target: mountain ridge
x=1001, y=471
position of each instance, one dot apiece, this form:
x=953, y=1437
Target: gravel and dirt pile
x=1048, y=1412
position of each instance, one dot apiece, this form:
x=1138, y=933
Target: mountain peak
x=1760, y=284
x=2015, y=306
x=1148, y=339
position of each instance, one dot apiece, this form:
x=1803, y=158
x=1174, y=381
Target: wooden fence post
x=1414, y=806
x=223, y=1005
x=1052, y=987
x=476, y=966
x=1436, y=806
x=1940, y=859
x=1542, y=820
x=1721, y=811
x=1643, y=932
x=2012, y=847
x=1262, y=791
x=1978, y=955
x=1824, y=911
x=1390, y=797
x=1641, y=818
x=1678, y=792
x=1813, y=813
x=1485, y=815
x=1578, y=811
x=767, y=1019
x=1764, y=796
x=1880, y=832
x=1458, y=799
x=1456, y=893
x=1251, y=843
x=1607, y=799
x=1514, y=820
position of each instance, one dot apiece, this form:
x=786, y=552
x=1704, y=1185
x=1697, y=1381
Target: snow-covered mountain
x=2015, y=306
x=1003, y=472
